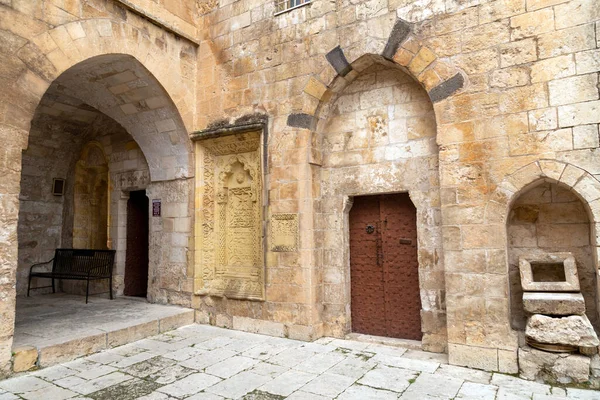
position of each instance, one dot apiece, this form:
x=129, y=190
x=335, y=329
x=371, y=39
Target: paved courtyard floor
x=203, y=362
x=54, y=319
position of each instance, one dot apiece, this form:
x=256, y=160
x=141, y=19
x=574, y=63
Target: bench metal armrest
x=39, y=264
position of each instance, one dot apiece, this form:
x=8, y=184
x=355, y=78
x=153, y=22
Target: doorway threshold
x=388, y=341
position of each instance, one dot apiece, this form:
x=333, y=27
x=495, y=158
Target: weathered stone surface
x=554, y=303
x=575, y=330
x=301, y=121
x=251, y=366
x=588, y=351
x=528, y=68
x=595, y=366
x=474, y=357
x=175, y=321
x=258, y=326
x=24, y=358
x=553, y=367
x=572, y=368
x=508, y=361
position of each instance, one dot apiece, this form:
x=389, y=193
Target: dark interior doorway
x=384, y=270
x=136, y=259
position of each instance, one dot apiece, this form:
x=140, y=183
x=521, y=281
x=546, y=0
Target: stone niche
x=545, y=223
x=229, y=217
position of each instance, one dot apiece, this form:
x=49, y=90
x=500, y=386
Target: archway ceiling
x=121, y=88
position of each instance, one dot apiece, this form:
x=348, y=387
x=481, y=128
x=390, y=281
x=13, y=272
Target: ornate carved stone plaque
x=284, y=232
x=229, y=248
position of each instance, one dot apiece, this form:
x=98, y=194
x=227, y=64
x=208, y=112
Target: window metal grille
x=286, y=5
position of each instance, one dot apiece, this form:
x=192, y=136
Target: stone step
x=69, y=345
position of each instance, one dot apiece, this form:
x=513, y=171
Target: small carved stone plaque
x=284, y=232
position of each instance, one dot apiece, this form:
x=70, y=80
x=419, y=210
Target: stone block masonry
x=485, y=112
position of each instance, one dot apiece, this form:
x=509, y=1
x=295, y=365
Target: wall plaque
x=58, y=186
x=284, y=232
x=156, y=204
x=229, y=256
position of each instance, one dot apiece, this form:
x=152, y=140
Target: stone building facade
x=257, y=131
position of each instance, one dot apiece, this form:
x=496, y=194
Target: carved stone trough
x=552, y=272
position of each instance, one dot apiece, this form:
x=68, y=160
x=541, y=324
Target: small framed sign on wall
x=58, y=186
x=156, y=207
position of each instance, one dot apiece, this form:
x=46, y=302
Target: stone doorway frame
x=347, y=210
x=348, y=201
x=147, y=214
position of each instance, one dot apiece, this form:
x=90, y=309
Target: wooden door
x=385, y=296
x=136, y=257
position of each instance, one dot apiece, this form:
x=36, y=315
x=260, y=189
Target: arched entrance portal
x=87, y=55
x=380, y=169
x=108, y=129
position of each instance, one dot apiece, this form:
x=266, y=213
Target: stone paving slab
x=200, y=362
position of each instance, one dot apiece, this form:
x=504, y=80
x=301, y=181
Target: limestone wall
x=171, y=243
x=514, y=90
x=513, y=83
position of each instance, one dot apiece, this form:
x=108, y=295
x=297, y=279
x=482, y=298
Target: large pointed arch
x=120, y=54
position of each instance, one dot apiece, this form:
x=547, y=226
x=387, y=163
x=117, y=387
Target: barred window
x=286, y=5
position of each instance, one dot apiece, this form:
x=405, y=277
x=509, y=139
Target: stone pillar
x=10, y=169
x=170, y=270
x=479, y=333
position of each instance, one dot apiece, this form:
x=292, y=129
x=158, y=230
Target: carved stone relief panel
x=284, y=232
x=131, y=180
x=229, y=245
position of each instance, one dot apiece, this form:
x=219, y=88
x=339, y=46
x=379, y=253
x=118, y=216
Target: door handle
x=405, y=241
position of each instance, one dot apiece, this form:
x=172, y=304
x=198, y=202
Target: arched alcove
x=549, y=217
x=90, y=203
x=378, y=140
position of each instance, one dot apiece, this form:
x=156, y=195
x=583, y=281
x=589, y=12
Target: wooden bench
x=77, y=264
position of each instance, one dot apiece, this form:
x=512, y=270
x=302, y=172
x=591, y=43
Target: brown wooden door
x=136, y=258
x=385, y=297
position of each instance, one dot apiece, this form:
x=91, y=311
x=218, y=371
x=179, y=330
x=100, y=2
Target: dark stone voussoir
x=399, y=33
x=302, y=120
x=446, y=88
x=338, y=61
